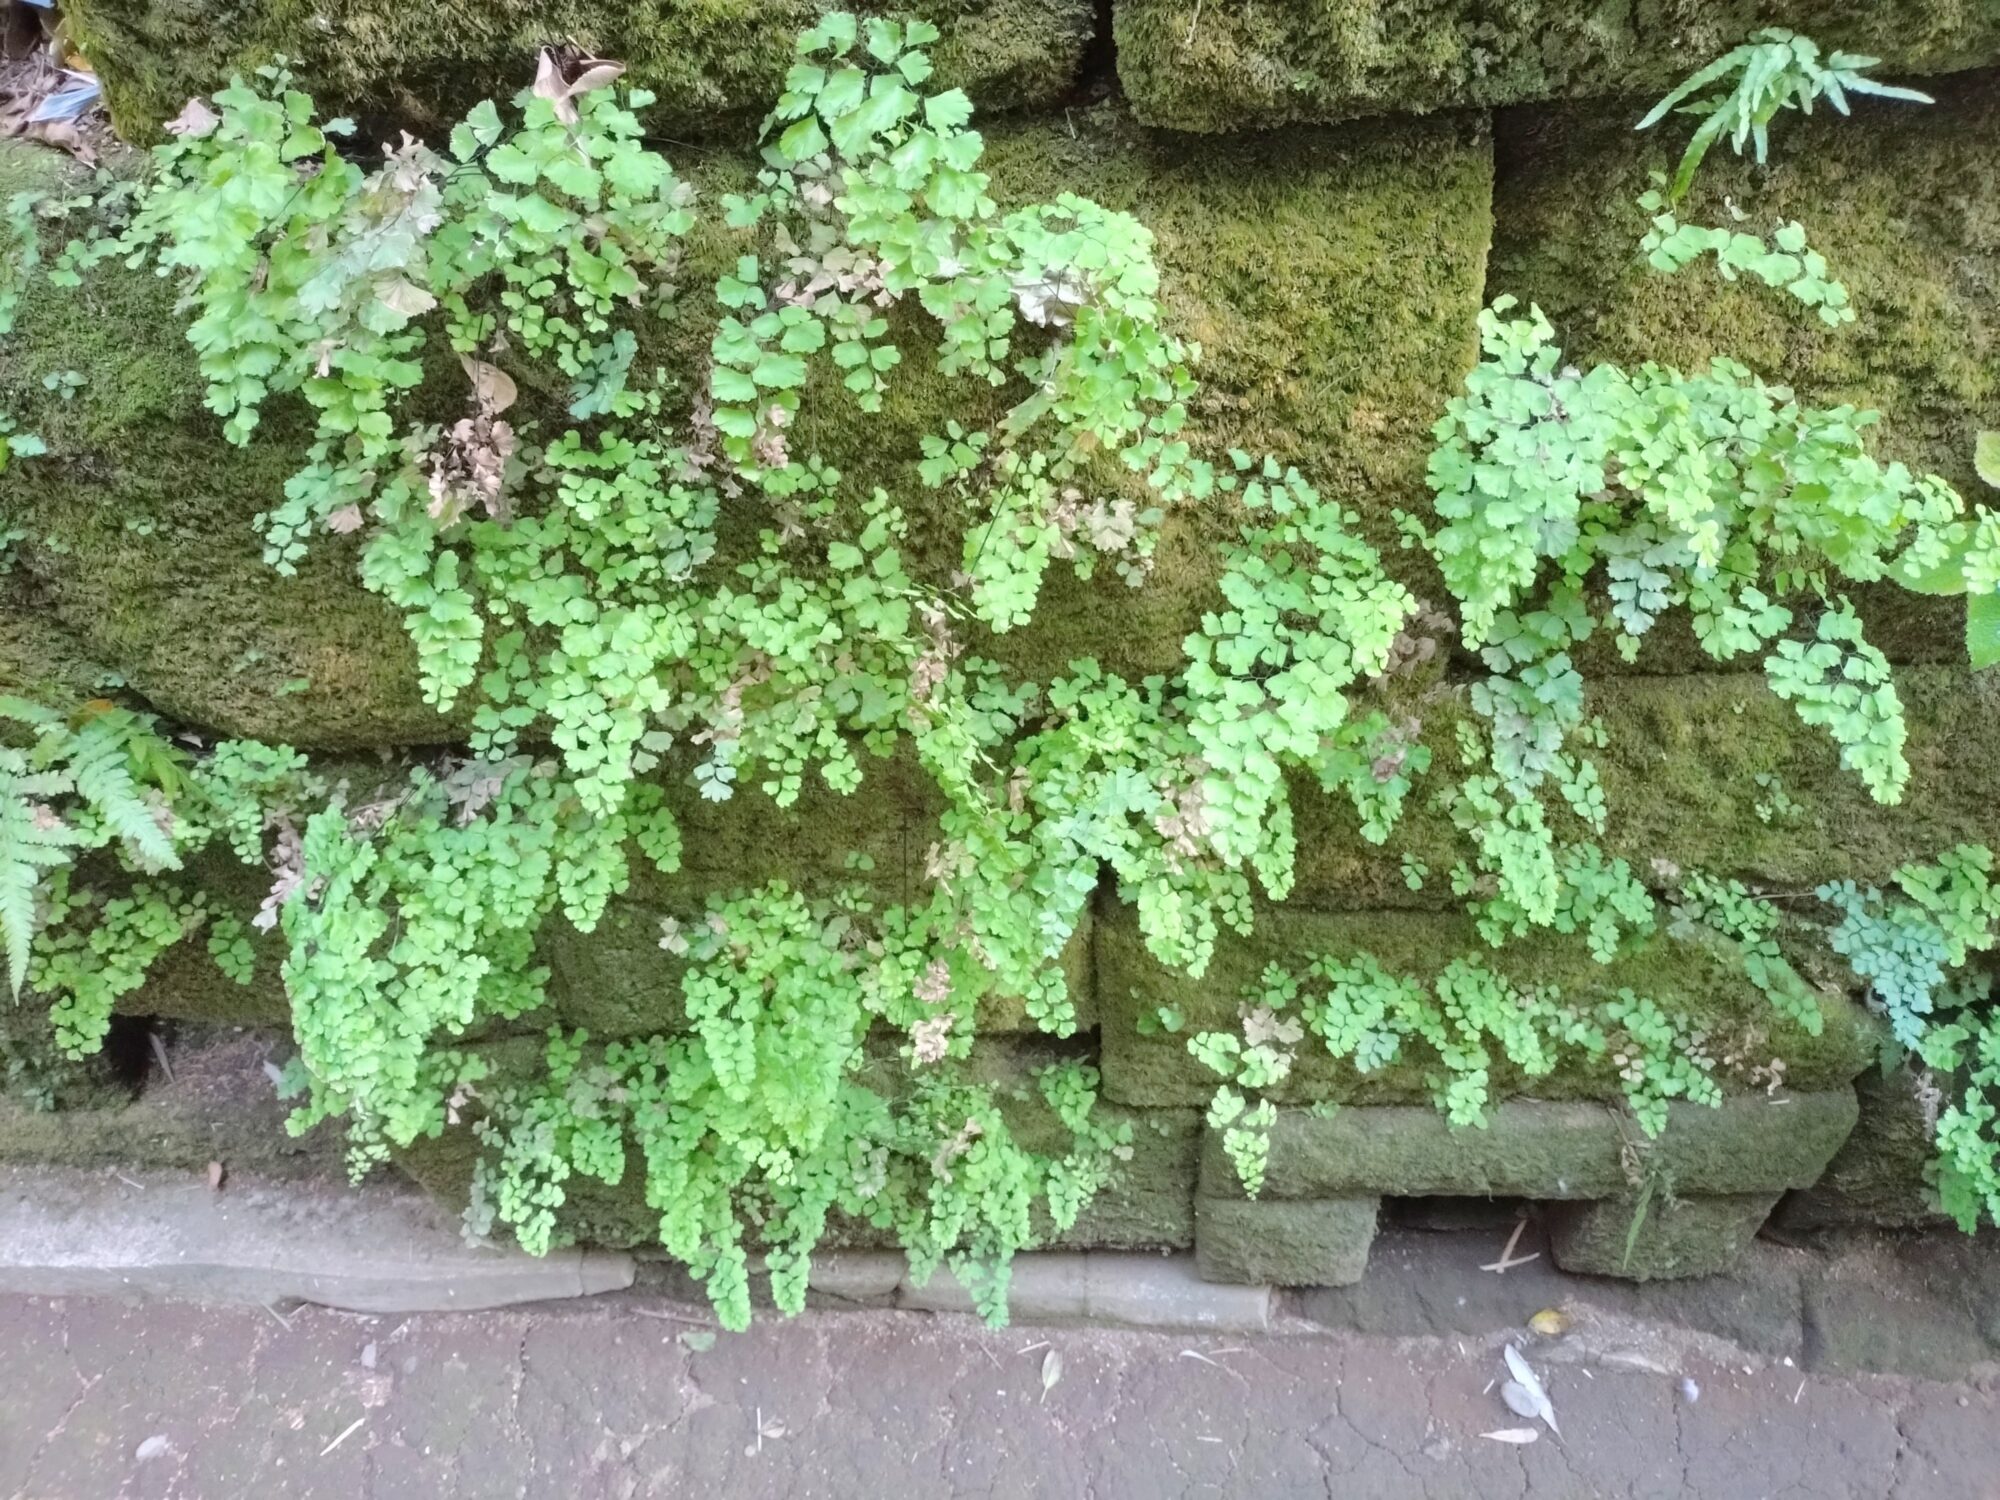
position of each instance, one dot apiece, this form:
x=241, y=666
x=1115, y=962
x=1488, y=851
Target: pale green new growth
x=1742, y=91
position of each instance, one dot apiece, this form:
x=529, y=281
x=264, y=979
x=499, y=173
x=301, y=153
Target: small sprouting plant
x=1785, y=261
x=14, y=444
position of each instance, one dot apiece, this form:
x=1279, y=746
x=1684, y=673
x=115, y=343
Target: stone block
x=1657, y=1239
x=1149, y=1203
x=1698, y=979
x=715, y=70
x=1691, y=767
x=1532, y=1149
x=1902, y=200
x=1880, y=1177
x=72, y=1233
x=219, y=1106
x=1133, y=1291
x=1319, y=1242
x=1243, y=67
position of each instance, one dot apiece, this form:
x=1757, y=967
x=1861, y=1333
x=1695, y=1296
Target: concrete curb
x=386, y=1250
x=1100, y=1288
x=1130, y=1291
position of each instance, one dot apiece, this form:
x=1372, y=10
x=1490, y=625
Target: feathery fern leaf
x=32, y=840
x=100, y=756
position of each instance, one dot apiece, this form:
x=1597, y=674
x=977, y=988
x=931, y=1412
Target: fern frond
x=101, y=763
x=32, y=840
x=34, y=715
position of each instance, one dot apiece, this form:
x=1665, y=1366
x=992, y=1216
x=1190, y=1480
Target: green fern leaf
x=32, y=840
x=101, y=763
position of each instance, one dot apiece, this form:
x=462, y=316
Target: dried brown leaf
x=596, y=75
x=549, y=83
x=405, y=298
x=194, y=121
x=493, y=386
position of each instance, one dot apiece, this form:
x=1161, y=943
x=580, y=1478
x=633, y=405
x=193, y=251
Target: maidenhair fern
x=645, y=590
x=559, y=551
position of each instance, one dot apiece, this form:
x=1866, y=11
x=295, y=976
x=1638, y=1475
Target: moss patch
x=38, y=658
x=219, y=1106
x=1904, y=202
x=716, y=64
x=1698, y=982
x=1880, y=1177
x=1332, y=278
x=1232, y=67
x=140, y=545
x=1680, y=776
x=1322, y=1243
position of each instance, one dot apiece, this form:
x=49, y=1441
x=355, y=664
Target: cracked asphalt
x=629, y=1398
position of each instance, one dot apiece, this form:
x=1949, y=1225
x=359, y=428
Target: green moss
x=1322, y=1243
x=218, y=1106
x=38, y=658
x=141, y=548
x=1332, y=278
x=1190, y=66
x=1530, y=1149
x=716, y=64
x=1880, y=1179
x=1903, y=201
x=1680, y=773
x=1659, y=1238
x=39, y=1086
x=1701, y=982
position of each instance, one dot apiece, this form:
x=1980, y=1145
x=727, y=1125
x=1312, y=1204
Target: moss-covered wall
x=1333, y=275
x=1903, y=201
x=715, y=64
x=1332, y=278
x=1703, y=981
x=1241, y=66
x=1706, y=772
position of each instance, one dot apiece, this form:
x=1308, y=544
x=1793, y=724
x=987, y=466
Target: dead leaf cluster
x=469, y=469
x=562, y=77
x=47, y=91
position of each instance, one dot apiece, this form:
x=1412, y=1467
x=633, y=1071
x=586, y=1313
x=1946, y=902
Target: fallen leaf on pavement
x=1530, y=1387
